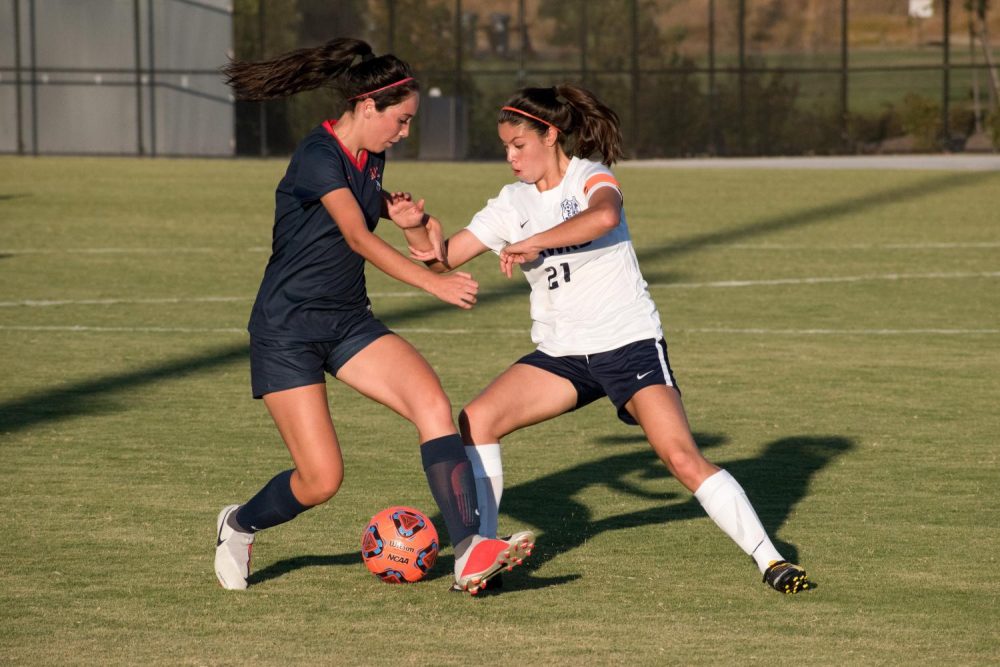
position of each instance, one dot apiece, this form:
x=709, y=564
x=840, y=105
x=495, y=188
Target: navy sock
x=273, y=505
x=449, y=474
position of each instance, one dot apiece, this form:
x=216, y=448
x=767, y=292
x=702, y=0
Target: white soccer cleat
x=232, y=553
x=486, y=558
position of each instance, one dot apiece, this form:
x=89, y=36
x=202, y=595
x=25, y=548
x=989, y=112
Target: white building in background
x=922, y=9
x=115, y=77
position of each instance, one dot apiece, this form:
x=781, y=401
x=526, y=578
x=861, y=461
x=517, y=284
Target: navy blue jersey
x=314, y=284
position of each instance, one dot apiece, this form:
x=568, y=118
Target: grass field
x=836, y=335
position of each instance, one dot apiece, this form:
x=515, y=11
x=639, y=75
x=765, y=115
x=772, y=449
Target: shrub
x=872, y=129
x=992, y=126
x=921, y=118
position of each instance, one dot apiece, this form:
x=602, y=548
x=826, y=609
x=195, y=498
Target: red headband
x=378, y=90
x=528, y=115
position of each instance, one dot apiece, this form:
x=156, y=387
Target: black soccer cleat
x=786, y=577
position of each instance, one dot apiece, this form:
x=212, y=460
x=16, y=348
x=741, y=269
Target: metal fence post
x=152, y=80
x=635, y=78
x=742, y=76
x=845, y=128
x=946, y=74
x=17, y=76
x=522, y=39
x=713, y=143
x=262, y=109
x=458, y=49
x=34, y=77
x=977, y=114
x=391, y=47
x=136, y=27
x=584, y=28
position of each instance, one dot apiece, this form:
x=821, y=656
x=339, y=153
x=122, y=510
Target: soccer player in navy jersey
x=312, y=314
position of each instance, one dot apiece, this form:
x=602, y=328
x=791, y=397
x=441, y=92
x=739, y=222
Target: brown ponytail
x=575, y=112
x=348, y=65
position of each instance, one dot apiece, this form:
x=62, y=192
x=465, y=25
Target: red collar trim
x=358, y=164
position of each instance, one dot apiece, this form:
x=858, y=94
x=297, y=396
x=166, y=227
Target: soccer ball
x=399, y=545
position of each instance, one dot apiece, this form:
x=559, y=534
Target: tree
x=979, y=9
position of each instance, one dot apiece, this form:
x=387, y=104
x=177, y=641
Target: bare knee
x=431, y=414
x=478, y=424
x=687, y=464
x=317, y=487
x=463, y=425
x=437, y=406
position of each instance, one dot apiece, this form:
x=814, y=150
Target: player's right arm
x=457, y=250
x=490, y=229
x=458, y=288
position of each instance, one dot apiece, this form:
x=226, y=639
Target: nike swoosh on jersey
x=525, y=222
x=639, y=376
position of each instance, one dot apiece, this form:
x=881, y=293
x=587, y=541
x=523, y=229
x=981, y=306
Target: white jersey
x=585, y=299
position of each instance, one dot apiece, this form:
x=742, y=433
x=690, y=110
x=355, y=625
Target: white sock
x=487, y=468
x=727, y=504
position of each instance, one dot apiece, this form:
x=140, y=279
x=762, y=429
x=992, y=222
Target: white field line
x=524, y=332
x=128, y=251
x=831, y=279
x=844, y=332
x=89, y=329
x=982, y=245
x=955, y=162
x=42, y=303
x=944, y=245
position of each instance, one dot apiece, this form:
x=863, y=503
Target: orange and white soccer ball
x=399, y=545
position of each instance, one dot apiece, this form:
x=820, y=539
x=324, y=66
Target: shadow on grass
x=283, y=567
x=93, y=396
x=805, y=217
x=930, y=186
x=107, y=393
x=775, y=482
x=554, y=505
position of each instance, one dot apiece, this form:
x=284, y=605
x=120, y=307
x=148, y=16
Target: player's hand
x=397, y=198
x=521, y=252
x=458, y=289
x=435, y=234
x=406, y=213
x=438, y=249
x=423, y=255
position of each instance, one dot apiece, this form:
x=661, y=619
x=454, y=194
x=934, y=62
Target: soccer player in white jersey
x=596, y=326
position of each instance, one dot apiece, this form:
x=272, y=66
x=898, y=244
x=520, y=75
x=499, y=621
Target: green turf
x=860, y=415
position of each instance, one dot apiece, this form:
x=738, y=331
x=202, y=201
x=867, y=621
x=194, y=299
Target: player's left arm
x=423, y=233
x=603, y=213
x=456, y=251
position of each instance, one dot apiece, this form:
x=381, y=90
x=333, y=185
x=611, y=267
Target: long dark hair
x=347, y=65
x=586, y=125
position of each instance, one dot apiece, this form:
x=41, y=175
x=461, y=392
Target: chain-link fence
x=135, y=77
x=687, y=77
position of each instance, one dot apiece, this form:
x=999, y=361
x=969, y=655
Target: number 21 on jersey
x=553, y=274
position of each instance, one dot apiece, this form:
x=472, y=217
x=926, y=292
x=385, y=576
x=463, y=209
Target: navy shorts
x=276, y=365
x=617, y=374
